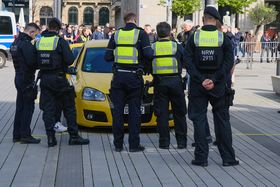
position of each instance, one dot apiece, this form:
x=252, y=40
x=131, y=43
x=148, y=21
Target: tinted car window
x=94, y=61
x=76, y=51
x=5, y=25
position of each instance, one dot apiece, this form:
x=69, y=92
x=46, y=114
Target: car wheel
x=3, y=60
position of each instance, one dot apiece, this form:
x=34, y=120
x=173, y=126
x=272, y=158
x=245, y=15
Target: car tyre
x=3, y=60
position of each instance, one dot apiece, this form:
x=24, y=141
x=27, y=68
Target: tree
x=184, y=7
x=262, y=14
x=237, y=6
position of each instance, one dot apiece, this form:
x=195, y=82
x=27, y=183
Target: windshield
x=94, y=61
x=76, y=51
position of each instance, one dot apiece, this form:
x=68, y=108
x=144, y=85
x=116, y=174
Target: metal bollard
x=278, y=67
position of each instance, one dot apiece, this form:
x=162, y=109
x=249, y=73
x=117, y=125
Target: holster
x=230, y=96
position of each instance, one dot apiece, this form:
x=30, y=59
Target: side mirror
x=72, y=71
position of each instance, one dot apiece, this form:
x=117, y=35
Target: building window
x=88, y=16
x=103, y=16
x=46, y=13
x=73, y=16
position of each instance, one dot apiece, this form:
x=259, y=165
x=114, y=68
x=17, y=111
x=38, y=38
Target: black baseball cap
x=212, y=11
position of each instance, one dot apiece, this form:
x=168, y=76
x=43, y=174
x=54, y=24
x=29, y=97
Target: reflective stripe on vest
x=165, y=61
x=126, y=51
x=208, y=38
x=47, y=43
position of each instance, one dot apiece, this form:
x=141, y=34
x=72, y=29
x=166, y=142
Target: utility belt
x=56, y=72
x=138, y=71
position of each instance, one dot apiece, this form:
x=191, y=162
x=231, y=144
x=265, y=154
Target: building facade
x=75, y=12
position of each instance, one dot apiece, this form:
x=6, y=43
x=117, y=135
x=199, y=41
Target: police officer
x=24, y=59
x=54, y=56
x=129, y=48
x=168, y=87
x=209, y=59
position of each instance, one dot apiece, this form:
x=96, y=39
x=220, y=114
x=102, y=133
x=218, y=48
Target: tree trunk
x=257, y=29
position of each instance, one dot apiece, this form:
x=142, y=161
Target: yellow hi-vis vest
x=126, y=51
x=208, y=38
x=164, y=61
x=47, y=43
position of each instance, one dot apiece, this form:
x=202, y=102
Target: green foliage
x=183, y=7
x=237, y=6
x=262, y=15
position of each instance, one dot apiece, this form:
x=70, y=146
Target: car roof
x=96, y=43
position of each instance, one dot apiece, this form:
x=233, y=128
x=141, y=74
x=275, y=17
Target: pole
x=0, y=4
x=14, y=2
x=212, y=3
x=31, y=11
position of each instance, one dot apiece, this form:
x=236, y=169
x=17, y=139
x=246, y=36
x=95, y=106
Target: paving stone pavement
x=256, y=139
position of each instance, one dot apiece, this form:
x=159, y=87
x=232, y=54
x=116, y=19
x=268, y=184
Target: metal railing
x=251, y=52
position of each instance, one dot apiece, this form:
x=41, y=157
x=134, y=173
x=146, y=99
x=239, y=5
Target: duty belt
x=138, y=71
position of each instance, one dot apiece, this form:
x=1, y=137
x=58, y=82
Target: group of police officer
x=207, y=56
x=51, y=55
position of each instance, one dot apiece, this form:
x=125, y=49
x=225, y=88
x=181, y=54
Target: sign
x=169, y=3
x=18, y=3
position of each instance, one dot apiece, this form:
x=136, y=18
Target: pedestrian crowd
x=208, y=53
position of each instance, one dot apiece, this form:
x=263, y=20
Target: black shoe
x=52, y=141
x=193, y=144
x=16, y=139
x=137, y=149
x=118, y=149
x=181, y=146
x=231, y=163
x=215, y=143
x=164, y=146
x=200, y=163
x=30, y=140
x=77, y=140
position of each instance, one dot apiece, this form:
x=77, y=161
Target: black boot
x=30, y=140
x=78, y=140
x=52, y=140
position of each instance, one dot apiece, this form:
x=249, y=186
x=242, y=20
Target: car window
x=76, y=51
x=6, y=25
x=94, y=61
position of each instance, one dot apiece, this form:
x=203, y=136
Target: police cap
x=55, y=23
x=212, y=11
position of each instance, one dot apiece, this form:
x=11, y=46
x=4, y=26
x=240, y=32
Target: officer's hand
x=208, y=84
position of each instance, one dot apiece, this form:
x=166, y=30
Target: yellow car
x=91, y=78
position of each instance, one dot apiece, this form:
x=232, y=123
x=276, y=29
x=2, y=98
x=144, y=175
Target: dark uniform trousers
x=24, y=108
x=55, y=90
x=197, y=113
x=170, y=88
x=126, y=88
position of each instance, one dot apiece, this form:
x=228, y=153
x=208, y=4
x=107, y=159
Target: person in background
x=265, y=40
x=274, y=44
x=173, y=33
x=148, y=30
x=68, y=36
x=85, y=36
x=76, y=33
x=188, y=30
x=106, y=31
x=97, y=34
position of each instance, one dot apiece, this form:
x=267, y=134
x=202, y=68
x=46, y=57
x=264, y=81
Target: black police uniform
x=199, y=98
x=24, y=59
x=126, y=88
x=169, y=88
x=56, y=91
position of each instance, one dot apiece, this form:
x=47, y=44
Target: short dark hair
x=54, y=24
x=129, y=16
x=163, y=29
x=30, y=26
